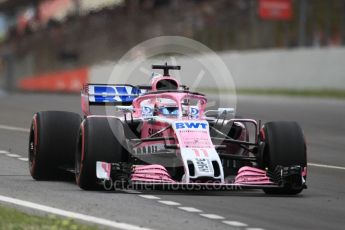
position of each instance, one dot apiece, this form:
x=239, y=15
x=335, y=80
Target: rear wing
x=103, y=94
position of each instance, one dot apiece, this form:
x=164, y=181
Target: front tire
x=284, y=146
x=100, y=139
x=52, y=143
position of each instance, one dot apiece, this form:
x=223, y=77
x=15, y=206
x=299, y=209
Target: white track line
x=4, y=152
x=190, y=209
x=235, y=223
x=212, y=216
x=23, y=159
x=168, y=202
x=255, y=229
x=13, y=128
x=13, y=155
x=326, y=166
x=150, y=197
x=130, y=191
x=74, y=215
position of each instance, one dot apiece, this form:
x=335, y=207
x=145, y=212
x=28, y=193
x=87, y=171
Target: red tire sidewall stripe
x=33, y=163
x=36, y=131
x=82, y=142
x=82, y=151
x=263, y=135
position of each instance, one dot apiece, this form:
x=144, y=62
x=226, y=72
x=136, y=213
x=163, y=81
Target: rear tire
x=100, y=139
x=284, y=146
x=52, y=143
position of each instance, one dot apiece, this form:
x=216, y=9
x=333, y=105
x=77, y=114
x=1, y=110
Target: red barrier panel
x=275, y=9
x=67, y=81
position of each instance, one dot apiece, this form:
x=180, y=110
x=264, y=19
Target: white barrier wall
x=290, y=69
x=297, y=68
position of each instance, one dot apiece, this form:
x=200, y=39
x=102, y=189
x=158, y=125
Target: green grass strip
x=12, y=219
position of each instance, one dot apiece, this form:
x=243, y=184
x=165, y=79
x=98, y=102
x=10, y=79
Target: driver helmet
x=168, y=110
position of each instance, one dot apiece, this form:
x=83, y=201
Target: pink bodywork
x=149, y=128
x=151, y=173
x=85, y=107
x=195, y=139
x=198, y=140
x=250, y=175
x=157, y=173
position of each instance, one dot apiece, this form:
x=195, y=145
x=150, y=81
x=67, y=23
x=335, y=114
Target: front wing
x=142, y=177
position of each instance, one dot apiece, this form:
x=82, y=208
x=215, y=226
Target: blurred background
x=267, y=44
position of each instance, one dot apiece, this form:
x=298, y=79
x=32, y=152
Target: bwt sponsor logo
x=190, y=125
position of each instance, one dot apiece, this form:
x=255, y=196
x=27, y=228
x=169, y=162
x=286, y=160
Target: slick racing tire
x=100, y=139
x=284, y=146
x=52, y=143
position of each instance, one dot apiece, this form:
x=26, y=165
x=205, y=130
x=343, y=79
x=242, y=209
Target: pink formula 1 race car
x=161, y=136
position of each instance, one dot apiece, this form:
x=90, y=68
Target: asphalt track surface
x=321, y=206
